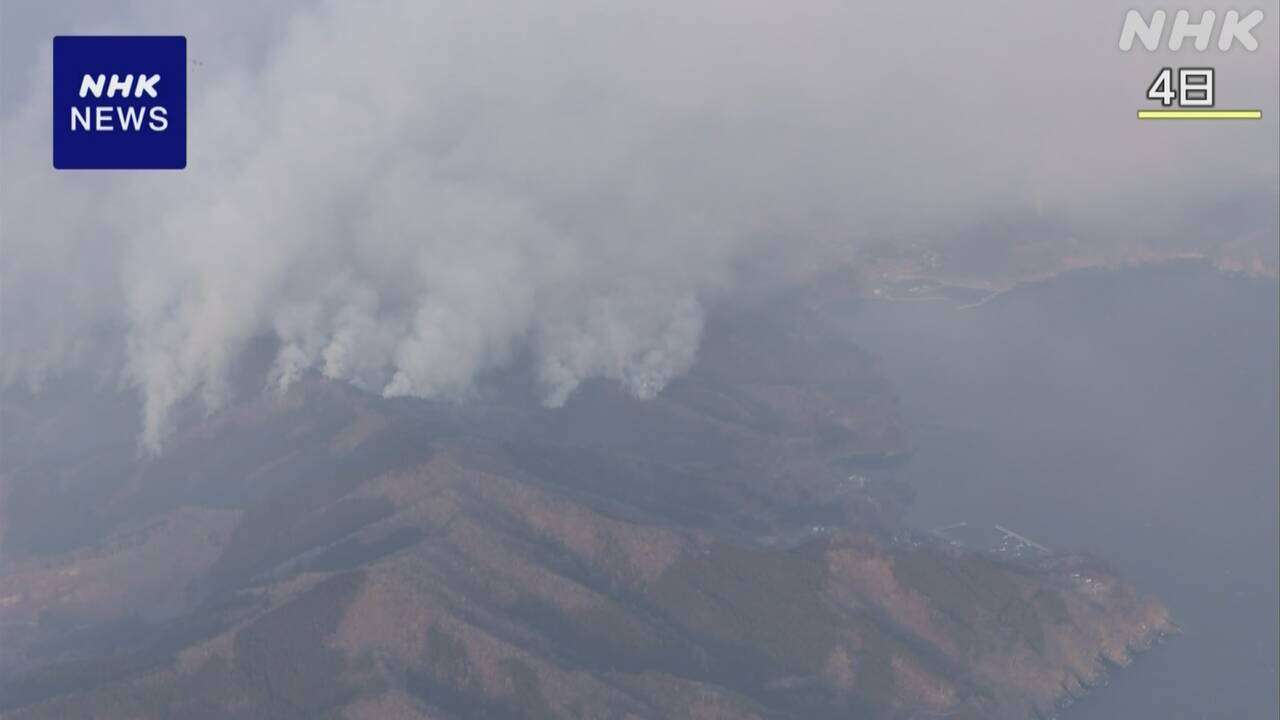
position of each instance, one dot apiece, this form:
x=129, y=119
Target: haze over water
x=1130, y=413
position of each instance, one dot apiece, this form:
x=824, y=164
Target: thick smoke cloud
x=409, y=194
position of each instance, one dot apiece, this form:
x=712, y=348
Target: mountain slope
x=728, y=550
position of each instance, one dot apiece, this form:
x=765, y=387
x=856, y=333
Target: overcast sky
x=407, y=194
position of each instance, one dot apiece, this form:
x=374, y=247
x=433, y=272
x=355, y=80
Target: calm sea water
x=1132, y=413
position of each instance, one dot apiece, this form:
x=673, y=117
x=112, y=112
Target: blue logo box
x=119, y=102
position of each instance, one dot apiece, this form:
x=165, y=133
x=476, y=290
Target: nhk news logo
x=119, y=102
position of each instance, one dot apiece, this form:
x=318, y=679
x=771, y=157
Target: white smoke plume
x=408, y=194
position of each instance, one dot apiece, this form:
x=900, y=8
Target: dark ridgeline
x=734, y=548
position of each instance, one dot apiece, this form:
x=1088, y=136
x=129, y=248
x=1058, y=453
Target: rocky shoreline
x=1083, y=688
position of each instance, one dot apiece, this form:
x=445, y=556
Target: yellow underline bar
x=1199, y=114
